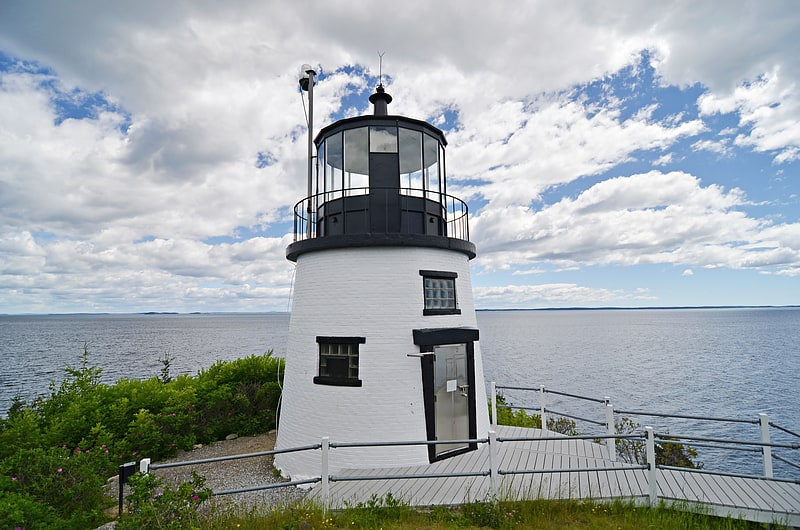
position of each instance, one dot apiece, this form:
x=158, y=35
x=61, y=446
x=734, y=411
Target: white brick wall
x=374, y=293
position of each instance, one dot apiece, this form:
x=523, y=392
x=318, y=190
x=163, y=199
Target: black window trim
x=339, y=381
x=444, y=275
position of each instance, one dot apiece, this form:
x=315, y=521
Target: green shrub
x=520, y=418
x=66, y=481
x=667, y=453
x=152, y=504
x=57, y=451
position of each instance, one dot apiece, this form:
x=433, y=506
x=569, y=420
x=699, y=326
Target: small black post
x=125, y=471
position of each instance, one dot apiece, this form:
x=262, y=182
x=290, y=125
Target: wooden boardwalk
x=747, y=498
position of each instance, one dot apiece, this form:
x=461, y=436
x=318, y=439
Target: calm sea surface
x=728, y=363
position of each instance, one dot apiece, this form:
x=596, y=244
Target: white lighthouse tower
x=383, y=339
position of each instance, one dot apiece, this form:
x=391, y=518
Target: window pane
x=338, y=360
x=356, y=160
x=333, y=166
x=383, y=139
x=440, y=293
x=431, y=161
x=410, y=161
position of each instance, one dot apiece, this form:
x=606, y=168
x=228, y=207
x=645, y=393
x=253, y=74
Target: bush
x=520, y=418
x=57, y=451
x=67, y=482
x=152, y=504
x=667, y=453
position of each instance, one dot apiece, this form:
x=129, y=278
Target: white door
x=451, y=390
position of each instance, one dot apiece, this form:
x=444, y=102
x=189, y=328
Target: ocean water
x=726, y=363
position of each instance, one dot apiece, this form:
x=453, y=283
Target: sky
x=613, y=154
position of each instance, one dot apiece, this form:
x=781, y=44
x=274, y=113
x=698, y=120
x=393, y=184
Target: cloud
x=552, y=295
x=765, y=105
x=645, y=218
x=151, y=153
x=687, y=272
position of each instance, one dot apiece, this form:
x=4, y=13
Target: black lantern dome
x=380, y=181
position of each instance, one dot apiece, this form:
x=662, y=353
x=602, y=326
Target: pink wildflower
x=59, y=470
x=14, y=479
x=195, y=497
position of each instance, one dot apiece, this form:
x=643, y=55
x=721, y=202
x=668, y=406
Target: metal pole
x=766, y=450
x=651, y=466
x=126, y=470
x=326, y=492
x=493, y=462
x=494, y=404
x=611, y=444
x=543, y=410
x=311, y=74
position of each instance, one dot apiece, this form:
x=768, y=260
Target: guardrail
x=763, y=446
x=451, y=211
x=648, y=436
x=493, y=471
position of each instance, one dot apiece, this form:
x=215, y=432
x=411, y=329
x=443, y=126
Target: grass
x=390, y=514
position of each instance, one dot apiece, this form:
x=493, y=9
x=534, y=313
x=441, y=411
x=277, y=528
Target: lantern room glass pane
x=382, y=139
x=356, y=161
x=410, y=162
x=334, y=158
x=430, y=158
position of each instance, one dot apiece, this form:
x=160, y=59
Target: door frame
x=427, y=339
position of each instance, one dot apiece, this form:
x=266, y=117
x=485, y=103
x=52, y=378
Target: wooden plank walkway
x=752, y=499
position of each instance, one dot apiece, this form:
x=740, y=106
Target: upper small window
x=338, y=361
x=382, y=139
x=439, y=291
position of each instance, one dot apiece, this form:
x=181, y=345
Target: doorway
x=448, y=383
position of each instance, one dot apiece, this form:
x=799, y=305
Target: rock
x=232, y=437
x=197, y=446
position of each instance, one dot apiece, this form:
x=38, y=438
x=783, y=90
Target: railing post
x=651, y=463
x=611, y=430
x=326, y=490
x=544, y=411
x=766, y=451
x=126, y=470
x=493, y=462
x=494, y=404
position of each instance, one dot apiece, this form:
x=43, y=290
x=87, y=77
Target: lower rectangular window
x=338, y=361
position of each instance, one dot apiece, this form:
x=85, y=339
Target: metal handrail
x=683, y=416
x=674, y=437
x=723, y=474
x=455, y=211
x=352, y=478
x=565, y=415
x=563, y=437
x=569, y=470
x=577, y=396
x=784, y=429
x=785, y=461
x=549, y=391
x=165, y=465
x=407, y=442
x=268, y=486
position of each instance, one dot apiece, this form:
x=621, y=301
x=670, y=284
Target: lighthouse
x=383, y=339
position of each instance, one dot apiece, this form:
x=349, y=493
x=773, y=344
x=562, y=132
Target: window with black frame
x=338, y=361
x=439, y=293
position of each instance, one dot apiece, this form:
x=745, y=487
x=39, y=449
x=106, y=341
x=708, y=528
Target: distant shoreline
x=578, y=308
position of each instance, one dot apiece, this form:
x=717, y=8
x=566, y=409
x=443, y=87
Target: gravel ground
x=231, y=474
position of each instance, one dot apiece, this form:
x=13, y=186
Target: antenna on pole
x=380, y=68
x=307, y=83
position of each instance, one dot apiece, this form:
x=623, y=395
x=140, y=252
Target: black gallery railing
x=370, y=210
